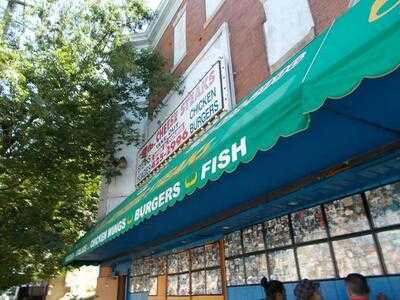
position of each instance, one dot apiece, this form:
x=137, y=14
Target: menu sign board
x=201, y=105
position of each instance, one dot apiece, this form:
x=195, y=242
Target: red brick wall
x=325, y=11
x=245, y=20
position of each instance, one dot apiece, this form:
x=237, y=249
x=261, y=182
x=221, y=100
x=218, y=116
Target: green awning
x=364, y=43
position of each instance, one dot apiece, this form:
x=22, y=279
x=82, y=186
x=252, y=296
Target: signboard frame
x=224, y=89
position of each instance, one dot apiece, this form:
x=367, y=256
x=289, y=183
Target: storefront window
x=161, y=265
x=139, y=267
x=235, y=271
x=315, y=261
x=283, y=265
x=212, y=255
x=357, y=255
x=172, y=285
x=390, y=244
x=277, y=232
x=308, y=225
x=179, y=285
x=253, y=239
x=346, y=216
x=199, y=283
x=256, y=268
x=213, y=282
x=157, y=266
x=202, y=265
x=233, y=244
x=384, y=204
x=183, y=284
x=290, y=247
x=198, y=258
x=173, y=262
x=140, y=281
x=153, y=286
x=178, y=262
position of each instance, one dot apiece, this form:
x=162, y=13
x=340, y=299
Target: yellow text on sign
x=375, y=9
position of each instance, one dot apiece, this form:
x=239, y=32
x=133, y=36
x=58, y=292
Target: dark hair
x=357, y=284
x=272, y=288
x=305, y=289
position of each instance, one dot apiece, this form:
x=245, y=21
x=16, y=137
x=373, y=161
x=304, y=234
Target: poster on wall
x=198, y=108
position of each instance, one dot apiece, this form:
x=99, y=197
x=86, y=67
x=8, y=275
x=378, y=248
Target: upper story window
x=212, y=7
x=289, y=26
x=179, y=37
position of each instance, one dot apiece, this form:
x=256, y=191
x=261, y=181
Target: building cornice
x=164, y=15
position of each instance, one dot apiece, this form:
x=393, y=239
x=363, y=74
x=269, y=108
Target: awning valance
x=363, y=43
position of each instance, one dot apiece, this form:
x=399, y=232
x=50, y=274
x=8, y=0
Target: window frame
x=372, y=231
x=208, y=19
x=150, y=261
x=294, y=49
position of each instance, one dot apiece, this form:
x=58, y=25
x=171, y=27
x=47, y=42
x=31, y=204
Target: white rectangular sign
x=201, y=105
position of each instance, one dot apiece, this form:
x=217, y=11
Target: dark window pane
x=199, y=283
x=256, y=268
x=212, y=255
x=346, y=216
x=315, y=261
x=390, y=244
x=357, y=255
x=173, y=285
x=153, y=286
x=233, y=244
x=184, y=284
x=384, y=204
x=277, y=232
x=198, y=258
x=235, y=271
x=308, y=225
x=283, y=265
x=253, y=239
x=213, y=278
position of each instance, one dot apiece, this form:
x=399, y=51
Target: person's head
x=357, y=285
x=274, y=289
x=307, y=290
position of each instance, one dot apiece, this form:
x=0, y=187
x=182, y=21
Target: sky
x=152, y=3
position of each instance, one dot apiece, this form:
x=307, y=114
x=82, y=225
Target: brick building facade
x=249, y=40
x=244, y=23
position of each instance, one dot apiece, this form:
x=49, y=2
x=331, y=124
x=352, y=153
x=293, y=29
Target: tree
x=72, y=90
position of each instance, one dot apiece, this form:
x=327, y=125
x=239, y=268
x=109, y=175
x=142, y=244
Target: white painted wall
x=122, y=186
x=288, y=23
